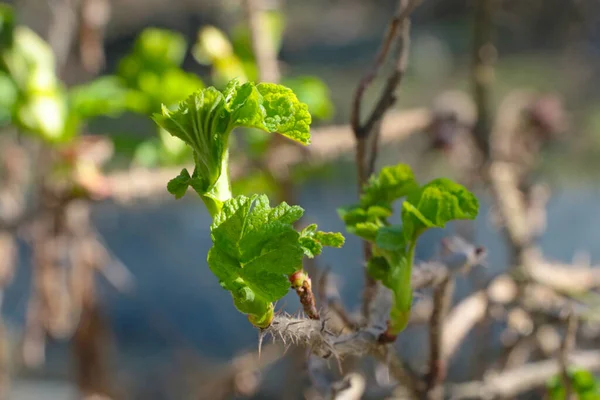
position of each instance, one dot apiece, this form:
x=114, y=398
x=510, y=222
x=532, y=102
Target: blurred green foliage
x=584, y=384
x=33, y=99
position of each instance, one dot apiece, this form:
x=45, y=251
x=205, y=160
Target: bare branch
x=442, y=297
x=350, y=387
x=483, y=73
x=263, y=47
x=566, y=347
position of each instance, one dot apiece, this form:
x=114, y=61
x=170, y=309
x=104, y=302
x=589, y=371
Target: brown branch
x=566, y=347
x=239, y=377
x=8, y=260
x=504, y=290
x=483, y=73
x=442, y=297
x=513, y=382
x=329, y=385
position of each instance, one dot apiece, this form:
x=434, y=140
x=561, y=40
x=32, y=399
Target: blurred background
x=168, y=331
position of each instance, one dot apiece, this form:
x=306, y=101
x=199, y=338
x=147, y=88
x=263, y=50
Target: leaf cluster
x=432, y=205
x=206, y=118
x=255, y=247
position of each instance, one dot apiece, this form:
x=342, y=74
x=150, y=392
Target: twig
x=566, y=347
x=94, y=16
x=8, y=260
x=263, y=47
x=512, y=382
x=240, y=376
x=367, y=135
x=350, y=387
x=442, y=296
x=483, y=73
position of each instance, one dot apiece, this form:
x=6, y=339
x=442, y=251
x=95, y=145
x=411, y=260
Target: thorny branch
x=367, y=135
x=323, y=342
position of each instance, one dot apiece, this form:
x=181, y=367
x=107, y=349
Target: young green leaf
x=178, y=185
x=391, y=238
x=102, y=96
x=315, y=93
x=254, y=250
x=206, y=118
x=434, y=205
x=313, y=241
x=390, y=184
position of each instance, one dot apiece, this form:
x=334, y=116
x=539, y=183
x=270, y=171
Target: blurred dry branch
x=442, y=296
x=516, y=381
x=239, y=377
x=566, y=348
x=93, y=19
x=263, y=47
x=328, y=143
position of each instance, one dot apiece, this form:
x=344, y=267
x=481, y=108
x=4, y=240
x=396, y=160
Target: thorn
x=261, y=336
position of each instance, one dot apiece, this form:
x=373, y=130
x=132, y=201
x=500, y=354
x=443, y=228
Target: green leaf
x=378, y=268
x=206, y=118
x=214, y=48
x=330, y=239
x=436, y=204
x=583, y=380
x=7, y=25
x=366, y=230
x=30, y=62
x=255, y=248
x=8, y=98
x=270, y=107
x=202, y=122
x=391, y=238
x=313, y=241
x=352, y=215
x=315, y=93
x=103, y=96
x=390, y=184
x=155, y=50
x=432, y=205
x=311, y=247
x=178, y=185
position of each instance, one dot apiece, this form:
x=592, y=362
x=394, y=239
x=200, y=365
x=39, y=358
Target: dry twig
x=513, y=382
x=442, y=297
x=566, y=347
x=368, y=134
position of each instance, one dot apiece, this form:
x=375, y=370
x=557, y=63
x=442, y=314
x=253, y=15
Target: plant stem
x=400, y=312
x=221, y=191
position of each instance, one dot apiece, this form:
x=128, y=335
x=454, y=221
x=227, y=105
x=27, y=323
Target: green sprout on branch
x=429, y=206
x=257, y=254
